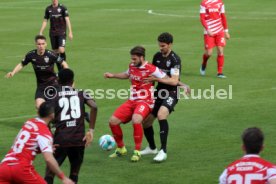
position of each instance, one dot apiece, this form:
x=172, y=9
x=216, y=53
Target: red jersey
x=141, y=91
x=34, y=137
x=250, y=169
x=212, y=16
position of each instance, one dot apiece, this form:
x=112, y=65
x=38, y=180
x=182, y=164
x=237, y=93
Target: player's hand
x=227, y=35
x=186, y=89
x=9, y=75
x=210, y=33
x=70, y=36
x=88, y=138
x=108, y=75
x=55, y=147
x=66, y=180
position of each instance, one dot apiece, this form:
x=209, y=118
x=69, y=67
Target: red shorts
x=19, y=173
x=213, y=41
x=127, y=109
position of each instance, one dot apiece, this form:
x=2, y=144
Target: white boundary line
x=17, y=117
x=151, y=12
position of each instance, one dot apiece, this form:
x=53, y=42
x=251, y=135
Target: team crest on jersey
x=157, y=61
x=58, y=10
x=33, y=59
x=168, y=64
x=46, y=59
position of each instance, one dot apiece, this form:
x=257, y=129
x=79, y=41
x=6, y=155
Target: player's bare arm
x=44, y=24
x=15, y=70
x=89, y=136
x=272, y=181
x=123, y=75
x=68, y=24
x=53, y=165
x=64, y=65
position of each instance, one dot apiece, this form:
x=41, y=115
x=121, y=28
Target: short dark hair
x=165, y=38
x=40, y=37
x=45, y=109
x=253, y=139
x=138, y=51
x=66, y=76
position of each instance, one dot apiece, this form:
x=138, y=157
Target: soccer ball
x=107, y=142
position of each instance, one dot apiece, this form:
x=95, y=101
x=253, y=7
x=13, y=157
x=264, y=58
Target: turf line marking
x=17, y=117
x=230, y=17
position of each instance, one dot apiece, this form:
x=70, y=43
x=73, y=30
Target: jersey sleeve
x=45, y=143
x=65, y=12
x=271, y=173
x=87, y=96
x=158, y=73
x=26, y=60
x=223, y=19
x=223, y=176
x=46, y=15
x=176, y=67
x=127, y=72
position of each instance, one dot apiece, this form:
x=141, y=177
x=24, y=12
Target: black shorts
x=168, y=102
x=74, y=154
x=58, y=41
x=46, y=92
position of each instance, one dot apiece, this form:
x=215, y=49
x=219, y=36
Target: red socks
x=138, y=135
x=220, y=61
x=204, y=62
x=118, y=135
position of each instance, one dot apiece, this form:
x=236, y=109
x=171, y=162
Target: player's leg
x=26, y=174
x=209, y=43
x=5, y=174
x=60, y=155
x=121, y=114
x=220, y=42
x=142, y=110
x=75, y=155
x=148, y=129
x=61, y=50
x=162, y=115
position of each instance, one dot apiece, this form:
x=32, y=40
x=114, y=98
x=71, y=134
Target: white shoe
x=221, y=76
x=148, y=151
x=202, y=72
x=161, y=156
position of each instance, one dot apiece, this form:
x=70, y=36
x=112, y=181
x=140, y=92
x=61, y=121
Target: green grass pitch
x=204, y=134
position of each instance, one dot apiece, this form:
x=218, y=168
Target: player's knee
x=137, y=118
x=113, y=121
x=162, y=114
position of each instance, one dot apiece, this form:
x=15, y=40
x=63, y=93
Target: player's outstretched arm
x=89, y=136
x=69, y=26
x=17, y=68
x=123, y=75
x=44, y=24
x=53, y=165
